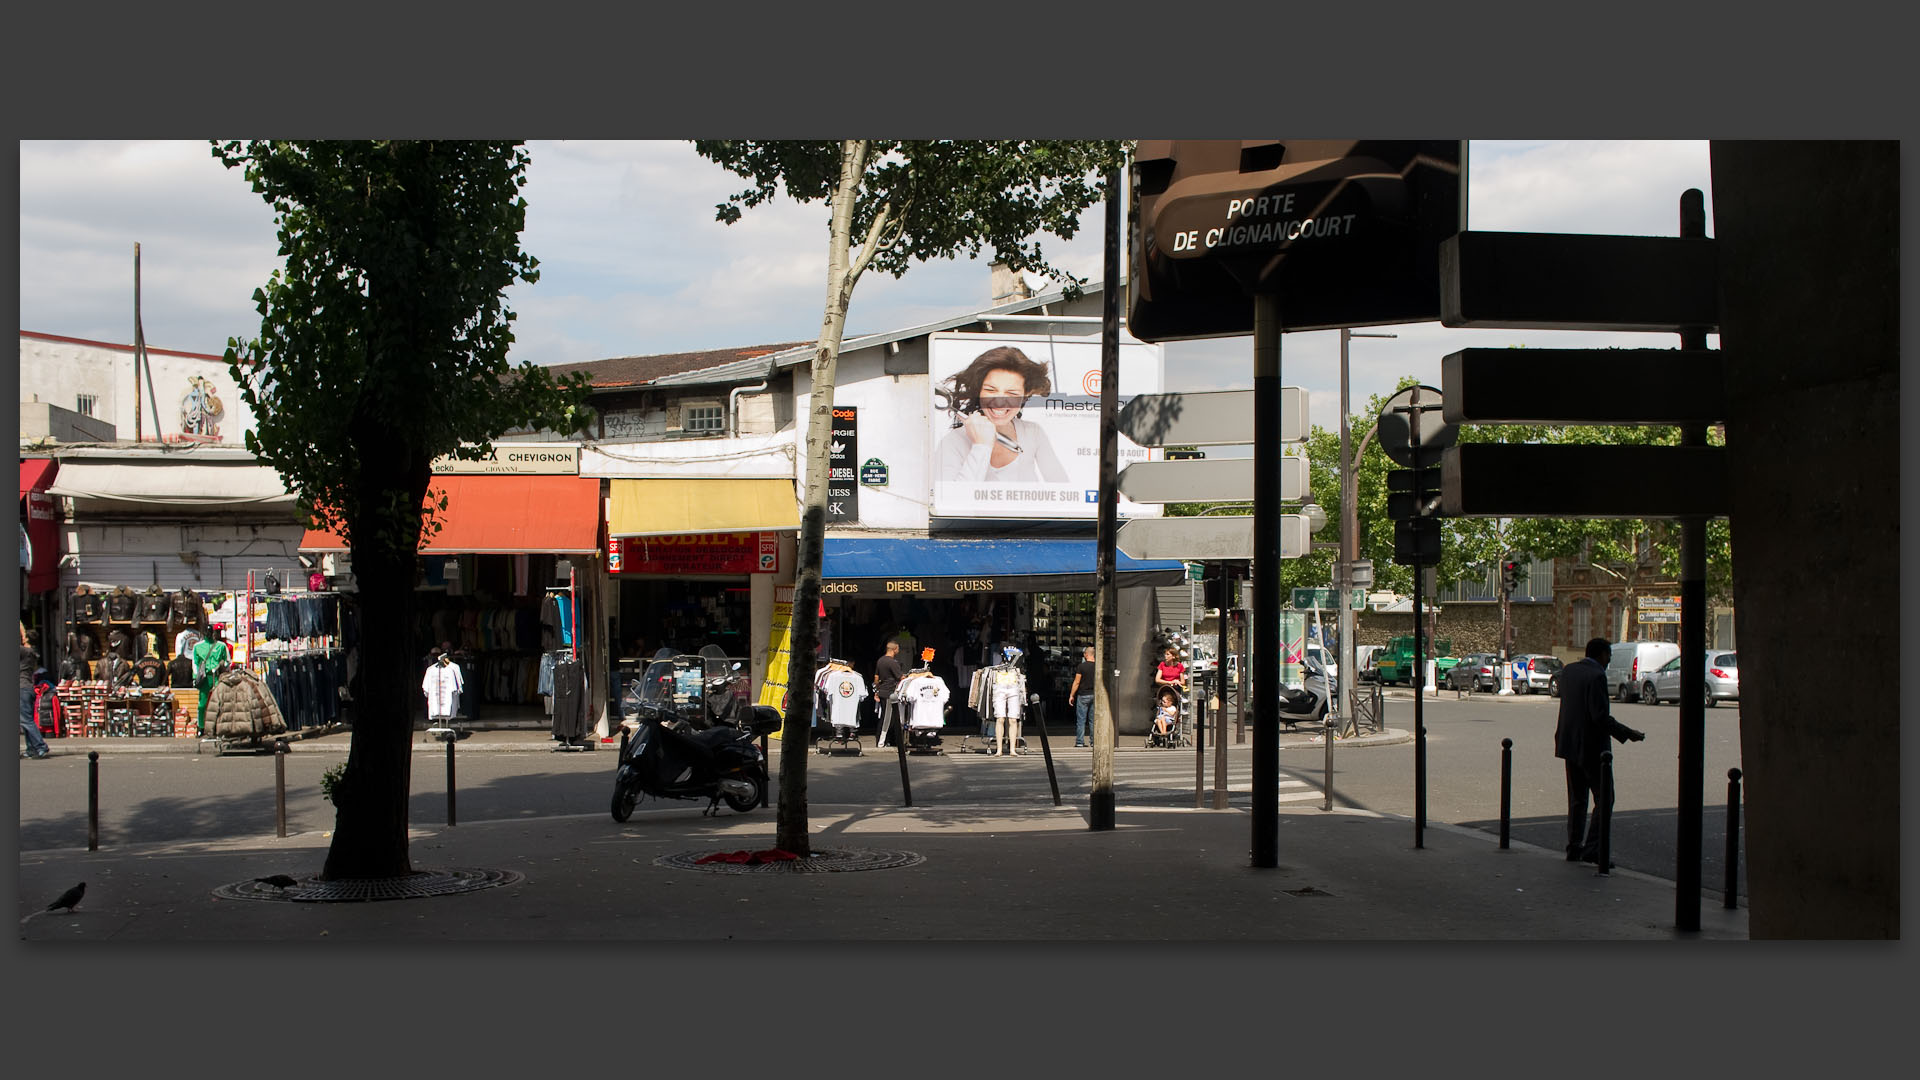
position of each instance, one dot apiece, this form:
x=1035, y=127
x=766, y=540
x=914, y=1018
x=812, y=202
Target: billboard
x=1015, y=424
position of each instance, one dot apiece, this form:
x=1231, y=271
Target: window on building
x=83, y=404
x=703, y=416
x=1582, y=621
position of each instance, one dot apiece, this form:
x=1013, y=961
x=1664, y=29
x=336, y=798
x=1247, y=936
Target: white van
x=1632, y=659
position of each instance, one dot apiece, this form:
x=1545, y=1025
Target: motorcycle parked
x=1310, y=702
x=667, y=757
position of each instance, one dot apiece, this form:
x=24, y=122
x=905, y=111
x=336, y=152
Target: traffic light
x=1413, y=501
x=1509, y=577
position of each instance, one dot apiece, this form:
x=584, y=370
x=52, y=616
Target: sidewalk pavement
x=1159, y=874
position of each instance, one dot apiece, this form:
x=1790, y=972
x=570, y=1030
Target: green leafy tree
x=892, y=204
x=383, y=344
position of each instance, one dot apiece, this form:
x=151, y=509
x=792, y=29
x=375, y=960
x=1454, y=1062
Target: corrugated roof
x=794, y=355
x=635, y=371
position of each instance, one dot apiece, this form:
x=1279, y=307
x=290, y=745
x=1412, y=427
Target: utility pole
x=1349, y=535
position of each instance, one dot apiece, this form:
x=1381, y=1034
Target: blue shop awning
x=941, y=567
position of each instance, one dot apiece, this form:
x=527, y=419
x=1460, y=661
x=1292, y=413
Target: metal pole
x=280, y=791
x=1506, y=790
x=450, y=815
x=1200, y=741
x=1046, y=748
x=763, y=757
x=1419, y=647
x=1691, y=797
x=1100, y=809
x=1732, y=899
x=1264, y=656
x=900, y=749
x=1603, y=805
x=137, y=343
x=1220, y=684
x=93, y=800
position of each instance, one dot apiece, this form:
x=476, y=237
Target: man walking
x=1580, y=739
x=1082, y=694
x=886, y=675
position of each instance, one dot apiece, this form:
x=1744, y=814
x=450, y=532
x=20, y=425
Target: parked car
x=1533, y=673
x=1722, y=679
x=1475, y=671
x=1363, y=656
x=1631, y=661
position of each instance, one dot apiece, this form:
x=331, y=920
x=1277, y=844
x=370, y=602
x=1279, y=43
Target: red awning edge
x=506, y=515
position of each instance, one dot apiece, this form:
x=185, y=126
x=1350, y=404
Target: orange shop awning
x=504, y=515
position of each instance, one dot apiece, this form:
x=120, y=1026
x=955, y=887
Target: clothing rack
x=572, y=619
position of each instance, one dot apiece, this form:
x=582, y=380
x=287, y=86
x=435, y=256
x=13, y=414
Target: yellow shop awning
x=682, y=507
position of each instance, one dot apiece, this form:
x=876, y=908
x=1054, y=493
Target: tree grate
x=820, y=862
x=422, y=883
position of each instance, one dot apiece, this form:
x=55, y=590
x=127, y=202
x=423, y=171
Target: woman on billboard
x=990, y=440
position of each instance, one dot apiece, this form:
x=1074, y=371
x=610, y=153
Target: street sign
x=1210, y=417
x=1208, y=537
x=1511, y=386
x=1477, y=480
x=1395, y=427
x=1347, y=231
x=1578, y=281
x=1196, y=571
x=1658, y=603
x=1209, y=480
x=1323, y=599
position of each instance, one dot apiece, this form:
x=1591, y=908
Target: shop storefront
x=967, y=598
x=693, y=563
x=509, y=581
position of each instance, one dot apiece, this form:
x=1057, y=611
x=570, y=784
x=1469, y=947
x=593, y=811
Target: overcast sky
x=632, y=261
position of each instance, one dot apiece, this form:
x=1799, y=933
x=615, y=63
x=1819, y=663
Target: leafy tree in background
x=383, y=345
x=892, y=204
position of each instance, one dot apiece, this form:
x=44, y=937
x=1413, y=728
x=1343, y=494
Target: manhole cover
x=820, y=862
x=406, y=887
x=1308, y=891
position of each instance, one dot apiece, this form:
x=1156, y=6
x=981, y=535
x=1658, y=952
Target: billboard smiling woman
x=1016, y=423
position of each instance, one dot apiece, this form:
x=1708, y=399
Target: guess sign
x=701, y=553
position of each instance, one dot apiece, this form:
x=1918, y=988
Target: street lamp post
x=1349, y=544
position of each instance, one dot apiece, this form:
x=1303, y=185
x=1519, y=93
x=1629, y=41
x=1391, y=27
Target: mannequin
x=1007, y=697
x=209, y=659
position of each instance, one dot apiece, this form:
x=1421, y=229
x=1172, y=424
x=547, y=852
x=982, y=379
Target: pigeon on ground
x=69, y=899
x=278, y=881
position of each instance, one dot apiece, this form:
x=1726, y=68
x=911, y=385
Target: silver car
x=1533, y=673
x=1723, y=680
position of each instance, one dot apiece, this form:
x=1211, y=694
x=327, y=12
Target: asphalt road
x=167, y=797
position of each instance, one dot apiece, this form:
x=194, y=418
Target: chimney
x=1008, y=286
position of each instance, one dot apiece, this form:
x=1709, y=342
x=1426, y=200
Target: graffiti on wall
x=200, y=409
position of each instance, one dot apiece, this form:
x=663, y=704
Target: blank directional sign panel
x=1208, y=418
x=1210, y=480
x=1208, y=537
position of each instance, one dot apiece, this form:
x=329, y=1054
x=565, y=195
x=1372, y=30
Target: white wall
x=58, y=371
x=893, y=428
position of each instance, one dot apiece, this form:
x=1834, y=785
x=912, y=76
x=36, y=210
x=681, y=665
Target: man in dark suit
x=1580, y=739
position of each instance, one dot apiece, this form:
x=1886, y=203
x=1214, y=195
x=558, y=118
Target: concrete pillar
x=1809, y=238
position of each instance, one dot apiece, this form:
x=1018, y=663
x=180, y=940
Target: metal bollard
x=450, y=817
x=280, y=791
x=93, y=800
x=1733, y=840
x=1603, y=805
x=1200, y=745
x=1506, y=790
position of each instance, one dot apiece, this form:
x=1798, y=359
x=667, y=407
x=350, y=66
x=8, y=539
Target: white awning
x=167, y=483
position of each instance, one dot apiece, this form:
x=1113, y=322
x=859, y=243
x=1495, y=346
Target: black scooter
x=667, y=759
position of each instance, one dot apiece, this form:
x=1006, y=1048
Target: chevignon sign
x=520, y=459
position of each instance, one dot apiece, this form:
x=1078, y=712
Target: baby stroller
x=1179, y=733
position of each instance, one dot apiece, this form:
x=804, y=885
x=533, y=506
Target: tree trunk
x=791, y=820
x=370, y=802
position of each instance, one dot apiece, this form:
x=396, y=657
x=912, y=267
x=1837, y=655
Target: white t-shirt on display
x=845, y=691
x=927, y=697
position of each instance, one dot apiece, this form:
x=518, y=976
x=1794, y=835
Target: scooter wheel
x=741, y=805
x=624, y=800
